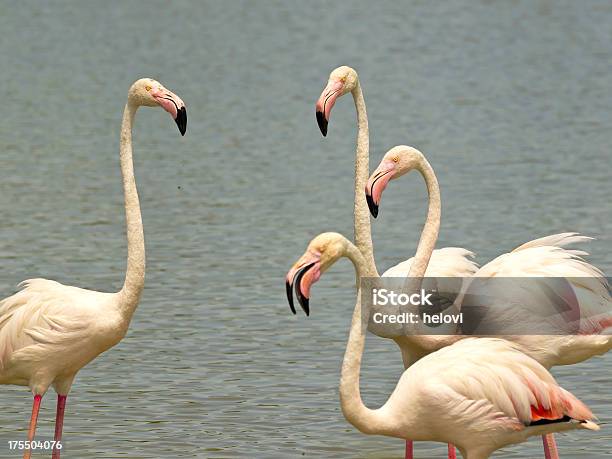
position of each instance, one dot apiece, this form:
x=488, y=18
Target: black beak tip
x=322, y=122
x=305, y=302
x=290, y=296
x=181, y=120
x=372, y=205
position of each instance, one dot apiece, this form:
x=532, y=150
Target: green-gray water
x=510, y=101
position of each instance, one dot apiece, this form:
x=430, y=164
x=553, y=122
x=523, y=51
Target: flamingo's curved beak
x=174, y=105
x=302, y=275
x=326, y=101
x=377, y=183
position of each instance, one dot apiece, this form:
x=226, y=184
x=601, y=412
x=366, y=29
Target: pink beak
x=325, y=103
x=377, y=183
x=303, y=274
x=174, y=105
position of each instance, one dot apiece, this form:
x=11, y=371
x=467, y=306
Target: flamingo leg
x=59, y=424
x=32, y=430
x=550, y=447
x=409, y=453
x=452, y=454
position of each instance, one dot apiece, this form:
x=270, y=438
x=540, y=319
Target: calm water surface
x=509, y=100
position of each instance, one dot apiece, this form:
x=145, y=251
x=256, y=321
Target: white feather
x=445, y=262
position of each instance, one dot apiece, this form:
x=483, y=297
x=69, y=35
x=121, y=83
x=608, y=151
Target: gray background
x=509, y=100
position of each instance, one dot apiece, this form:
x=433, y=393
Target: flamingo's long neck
x=429, y=235
x=427, y=242
x=135, y=273
x=363, y=231
x=353, y=408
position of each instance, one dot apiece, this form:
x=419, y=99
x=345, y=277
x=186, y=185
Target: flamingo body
x=481, y=394
x=49, y=331
x=550, y=257
x=444, y=262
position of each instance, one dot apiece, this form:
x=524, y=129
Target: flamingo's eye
x=396, y=159
x=343, y=79
x=148, y=88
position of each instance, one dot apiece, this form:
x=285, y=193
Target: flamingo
x=543, y=257
x=49, y=331
x=480, y=394
x=445, y=262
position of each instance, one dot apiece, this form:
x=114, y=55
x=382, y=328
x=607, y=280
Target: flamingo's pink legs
x=452, y=454
x=32, y=430
x=409, y=454
x=550, y=447
x=59, y=424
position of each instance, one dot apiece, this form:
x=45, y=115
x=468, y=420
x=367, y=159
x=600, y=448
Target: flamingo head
x=322, y=252
x=150, y=93
x=341, y=81
x=398, y=161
